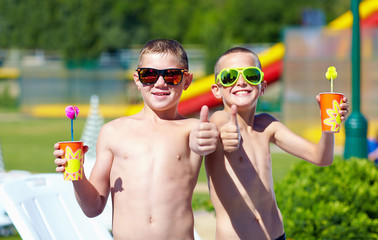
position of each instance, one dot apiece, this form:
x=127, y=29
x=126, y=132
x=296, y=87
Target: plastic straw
x=331, y=85
x=72, y=137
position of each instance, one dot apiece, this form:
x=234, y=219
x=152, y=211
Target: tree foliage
x=335, y=202
x=85, y=28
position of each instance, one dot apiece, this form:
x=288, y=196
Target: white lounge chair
x=6, y=225
x=43, y=206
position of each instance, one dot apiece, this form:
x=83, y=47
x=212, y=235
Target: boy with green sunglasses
x=240, y=170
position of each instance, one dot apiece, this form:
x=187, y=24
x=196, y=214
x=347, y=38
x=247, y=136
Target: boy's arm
x=320, y=154
x=91, y=195
x=204, y=136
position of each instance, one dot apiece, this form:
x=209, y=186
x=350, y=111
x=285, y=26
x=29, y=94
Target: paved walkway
x=204, y=222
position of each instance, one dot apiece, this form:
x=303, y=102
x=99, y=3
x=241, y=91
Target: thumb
x=204, y=114
x=233, y=115
x=318, y=99
x=86, y=148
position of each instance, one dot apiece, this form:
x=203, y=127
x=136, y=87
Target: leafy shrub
x=335, y=202
x=201, y=201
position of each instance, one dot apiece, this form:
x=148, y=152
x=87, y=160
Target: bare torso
x=152, y=178
x=241, y=188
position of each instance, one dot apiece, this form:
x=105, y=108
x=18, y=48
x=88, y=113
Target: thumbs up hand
x=229, y=132
x=204, y=137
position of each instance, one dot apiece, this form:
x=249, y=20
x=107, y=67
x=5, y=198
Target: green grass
x=13, y=237
x=281, y=165
x=27, y=144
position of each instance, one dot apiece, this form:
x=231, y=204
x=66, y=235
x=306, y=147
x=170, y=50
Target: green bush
x=335, y=202
x=201, y=201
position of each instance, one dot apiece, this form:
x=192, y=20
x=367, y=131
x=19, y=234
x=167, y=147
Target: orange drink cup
x=74, y=154
x=330, y=107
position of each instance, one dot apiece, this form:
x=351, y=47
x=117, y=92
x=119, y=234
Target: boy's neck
x=247, y=116
x=170, y=114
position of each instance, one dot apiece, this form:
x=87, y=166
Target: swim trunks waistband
x=283, y=237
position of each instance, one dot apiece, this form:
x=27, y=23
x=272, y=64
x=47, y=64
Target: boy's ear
x=264, y=84
x=136, y=80
x=188, y=78
x=216, y=91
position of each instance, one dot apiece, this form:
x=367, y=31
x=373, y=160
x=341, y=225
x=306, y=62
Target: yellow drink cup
x=74, y=154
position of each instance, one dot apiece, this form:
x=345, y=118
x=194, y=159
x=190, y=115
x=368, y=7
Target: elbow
x=325, y=162
x=92, y=214
x=91, y=211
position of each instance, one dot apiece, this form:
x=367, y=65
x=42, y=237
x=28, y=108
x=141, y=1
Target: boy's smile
x=161, y=93
x=241, y=92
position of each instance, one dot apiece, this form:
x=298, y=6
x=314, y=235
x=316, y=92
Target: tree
x=83, y=29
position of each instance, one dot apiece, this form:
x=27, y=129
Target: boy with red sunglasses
x=240, y=171
x=149, y=162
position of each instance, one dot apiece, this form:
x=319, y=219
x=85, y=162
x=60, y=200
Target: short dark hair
x=236, y=50
x=166, y=46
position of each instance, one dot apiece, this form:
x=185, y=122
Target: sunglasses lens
x=228, y=76
x=252, y=75
x=173, y=76
x=147, y=75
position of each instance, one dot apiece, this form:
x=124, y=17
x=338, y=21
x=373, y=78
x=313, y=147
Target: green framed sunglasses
x=229, y=76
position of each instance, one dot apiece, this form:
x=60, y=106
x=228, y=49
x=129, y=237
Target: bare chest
x=160, y=153
x=137, y=145
x=250, y=166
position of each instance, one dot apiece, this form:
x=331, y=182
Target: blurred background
x=55, y=53
x=59, y=52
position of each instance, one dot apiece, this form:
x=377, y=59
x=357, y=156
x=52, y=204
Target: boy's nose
x=241, y=81
x=160, y=81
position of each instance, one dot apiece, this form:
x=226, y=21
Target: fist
x=344, y=107
x=204, y=137
x=59, y=161
x=229, y=132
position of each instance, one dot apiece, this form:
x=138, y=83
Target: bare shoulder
x=220, y=117
x=118, y=123
x=265, y=121
x=188, y=120
x=265, y=118
x=186, y=123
